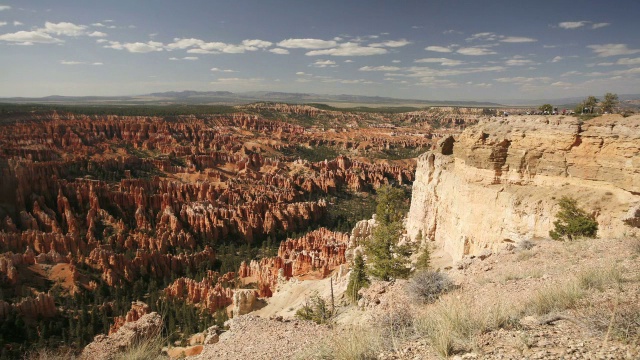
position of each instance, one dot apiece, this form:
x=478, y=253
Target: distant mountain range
x=229, y=98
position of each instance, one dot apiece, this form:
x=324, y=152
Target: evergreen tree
x=357, y=279
x=387, y=258
x=573, y=221
x=610, y=102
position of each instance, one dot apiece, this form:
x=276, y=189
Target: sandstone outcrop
x=138, y=309
x=316, y=254
x=109, y=347
x=500, y=183
x=243, y=301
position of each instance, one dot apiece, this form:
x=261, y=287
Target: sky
x=428, y=50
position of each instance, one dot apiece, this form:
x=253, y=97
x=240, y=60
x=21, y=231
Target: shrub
x=453, y=324
x=598, y=278
x=556, y=298
x=572, y=221
x=426, y=286
x=357, y=279
x=315, y=309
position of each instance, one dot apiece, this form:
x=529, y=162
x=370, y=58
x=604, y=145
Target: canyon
x=190, y=209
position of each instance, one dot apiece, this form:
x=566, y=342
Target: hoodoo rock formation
x=500, y=181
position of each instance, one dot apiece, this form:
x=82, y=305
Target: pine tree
x=357, y=279
x=387, y=258
x=573, y=221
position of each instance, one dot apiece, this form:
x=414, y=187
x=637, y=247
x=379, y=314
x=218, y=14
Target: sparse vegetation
x=315, y=309
x=454, y=323
x=426, y=286
x=598, y=278
x=572, y=221
x=555, y=298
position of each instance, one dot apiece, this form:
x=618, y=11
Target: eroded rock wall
x=502, y=181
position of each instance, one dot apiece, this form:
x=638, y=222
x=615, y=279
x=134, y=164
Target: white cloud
x=100, y=41
x=97, y=34
x=519, y=62
x=441, y=61
x=475, y=51
x=349, y=49
x=192, y=58
x=4, y=7
x=324, y=63
x=561, y=83
x=17, y=23
x=395, y=61
x=628, y=61
x=98, y=25
x=556, y=59
x=307, y=44
x=97, y=64
x=571, y=73
x=301, y=73
x=524, y=80
x=392, y=43
x=184, y=43
x=572, y=24
x=257, y=43
x=348, y=61
x=490, y=36
x=215, y=69
x=517, y=39
x=485, y=36
x=202, y=51
x=606, y=50
x=201, y=47
x=279, y=51
x=30, y=38
x=448, y=32
x=599, y=25
x=379, y=68
x=66, y=62
x=174, y=59
x=137, y=47
x=64, y=28
x=440, y=49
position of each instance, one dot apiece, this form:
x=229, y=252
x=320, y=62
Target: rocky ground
x=606, y=272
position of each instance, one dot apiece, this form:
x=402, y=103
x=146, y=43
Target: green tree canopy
x=386, y=257
x=572, y=221
x=546, y=107
x=610, y=102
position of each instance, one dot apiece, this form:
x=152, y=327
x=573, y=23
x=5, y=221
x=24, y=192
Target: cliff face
x=499, y=182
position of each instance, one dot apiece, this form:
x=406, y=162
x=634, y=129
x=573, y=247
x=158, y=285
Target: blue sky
x=440, y=50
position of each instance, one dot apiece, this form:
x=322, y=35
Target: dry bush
x=357, y=343
x=598, y=278
x=396, y=322
x=453, y=324
x=525, y=255
x=145, y=349
x=554, y=298
x=426, y=286
x=622, y=324
x=525, y=244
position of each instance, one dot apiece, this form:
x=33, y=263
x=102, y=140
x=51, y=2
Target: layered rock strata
x=499, y=182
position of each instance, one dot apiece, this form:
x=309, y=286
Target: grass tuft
x=555, y=298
